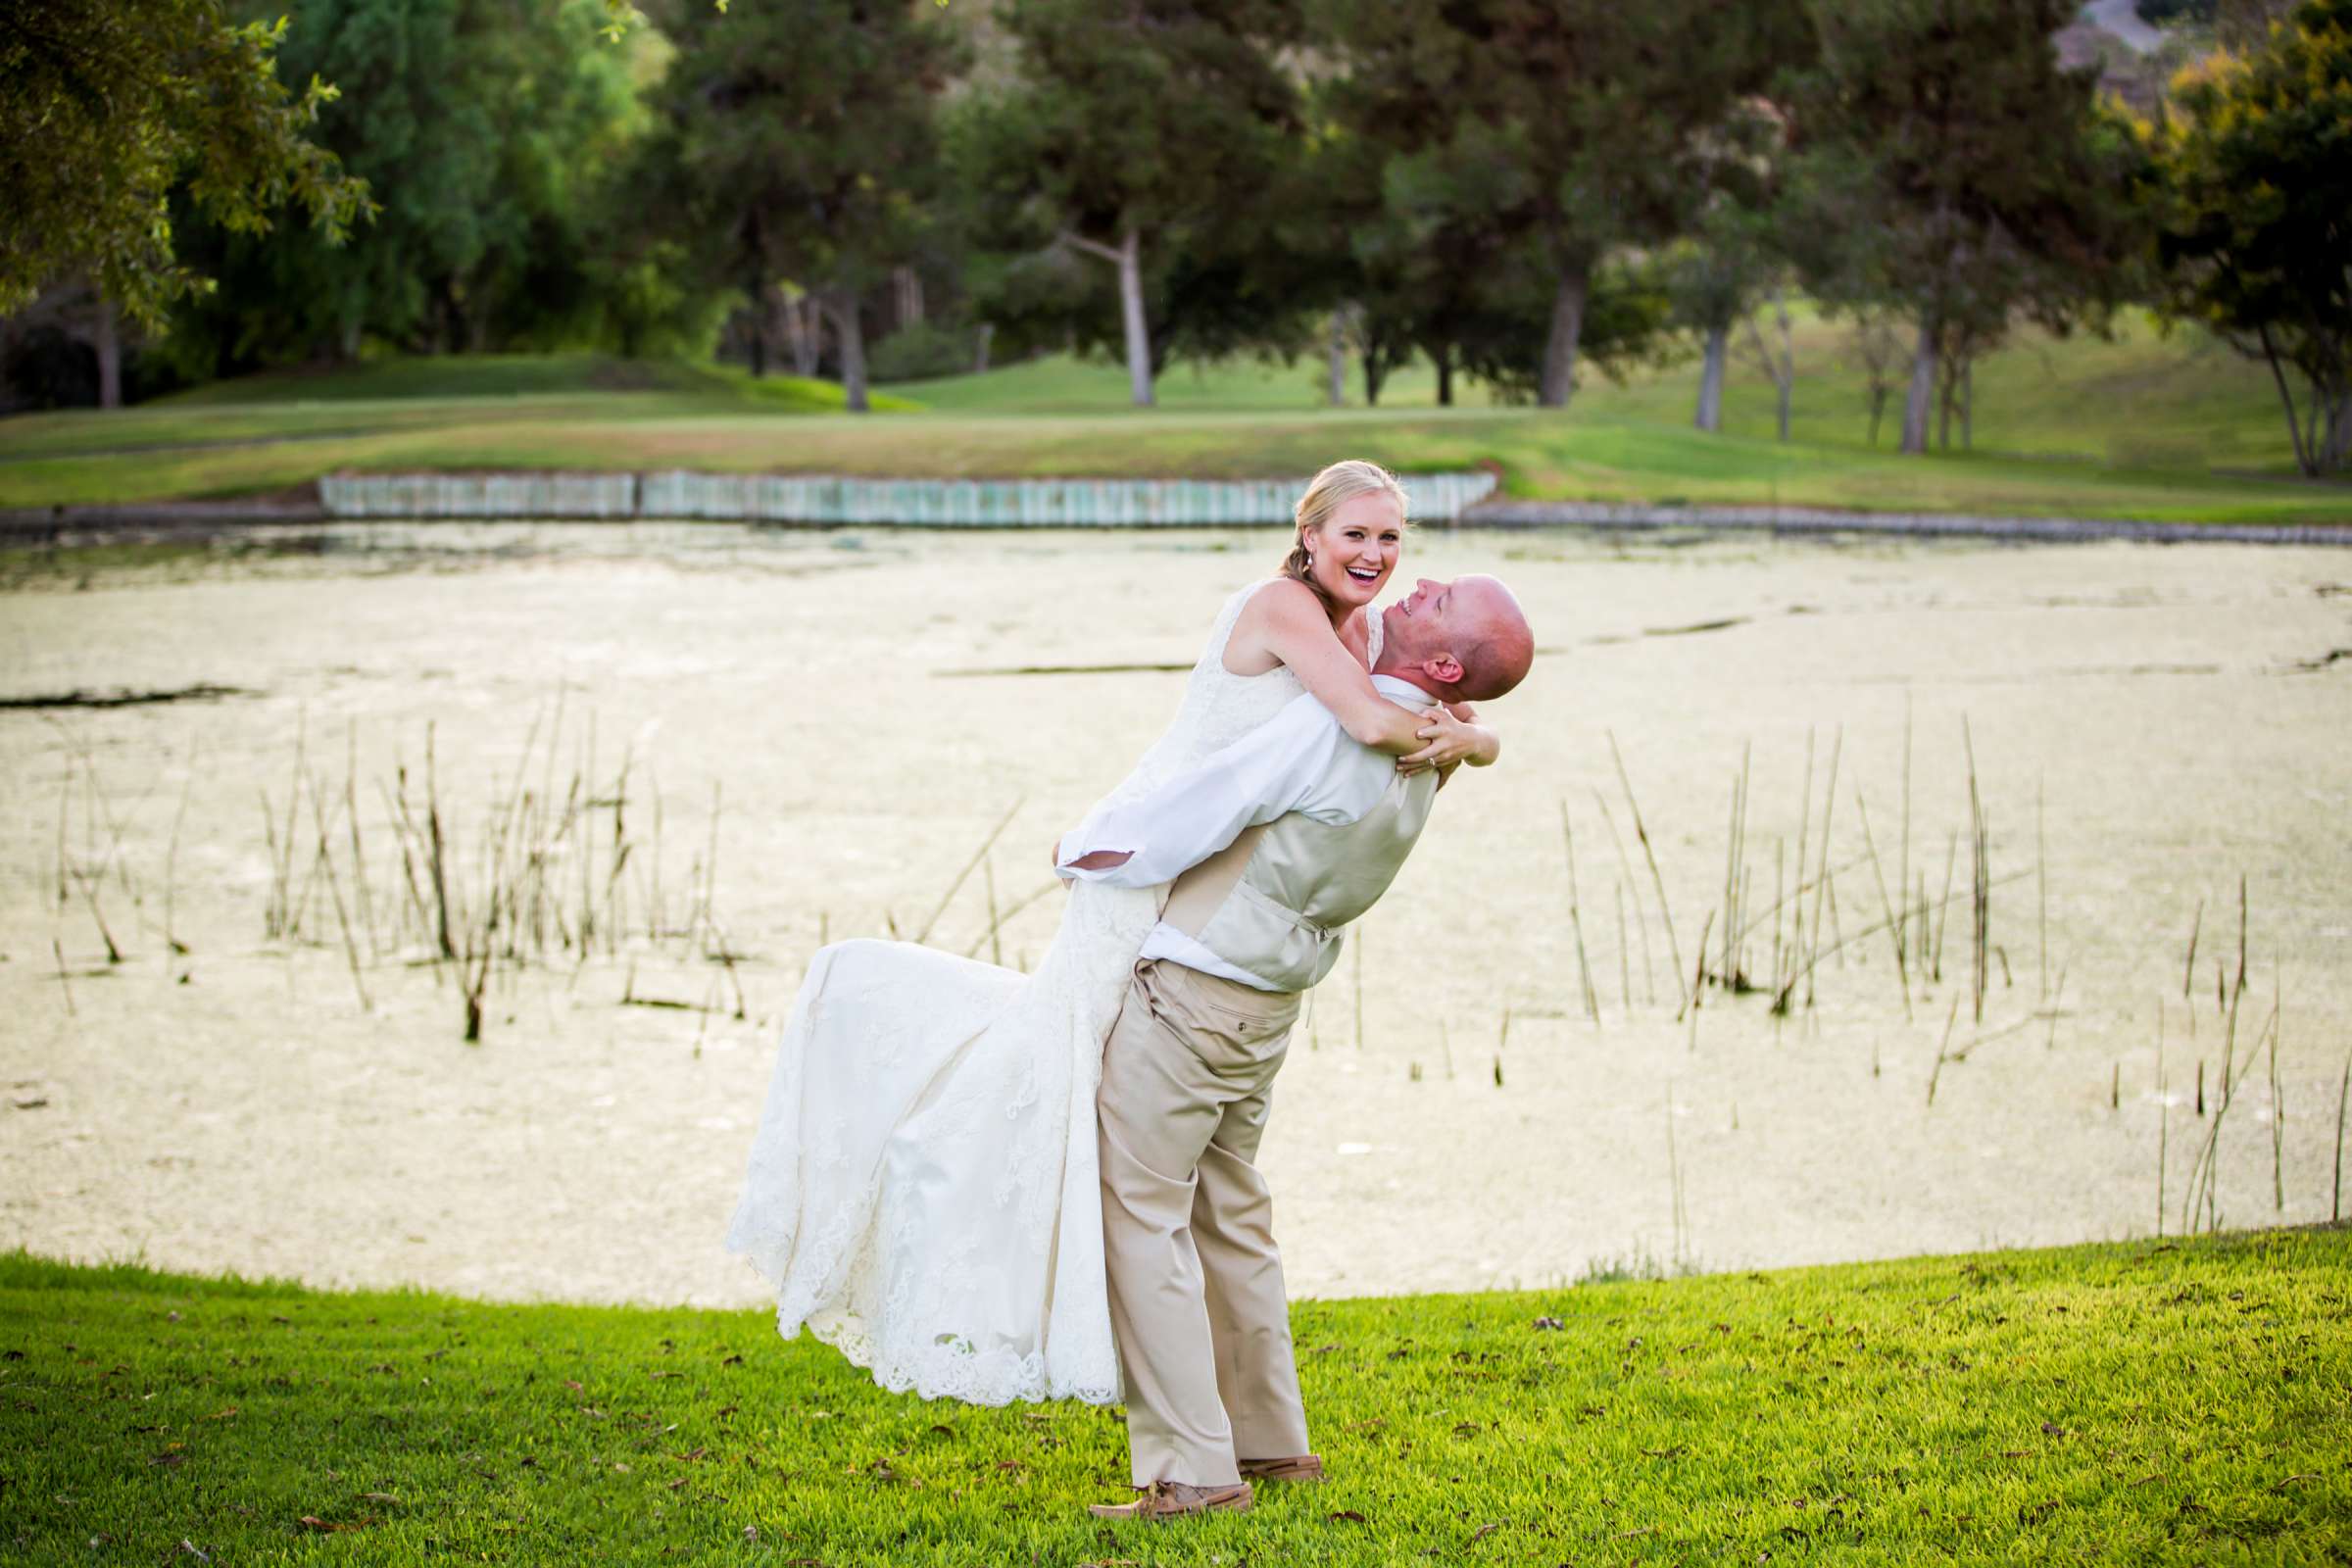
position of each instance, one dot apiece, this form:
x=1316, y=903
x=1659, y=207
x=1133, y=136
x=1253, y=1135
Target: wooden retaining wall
x=821, y=501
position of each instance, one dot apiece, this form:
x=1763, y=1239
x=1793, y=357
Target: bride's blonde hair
x=1326, y=493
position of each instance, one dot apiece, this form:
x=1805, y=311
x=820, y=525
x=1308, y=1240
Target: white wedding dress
x=923, y=1187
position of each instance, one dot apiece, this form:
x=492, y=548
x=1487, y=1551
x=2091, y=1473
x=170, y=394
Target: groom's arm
x=1160, y=835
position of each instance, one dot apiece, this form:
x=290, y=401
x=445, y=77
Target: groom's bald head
x=1466, y=640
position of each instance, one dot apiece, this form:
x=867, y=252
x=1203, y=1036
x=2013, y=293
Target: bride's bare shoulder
x=1275, y=600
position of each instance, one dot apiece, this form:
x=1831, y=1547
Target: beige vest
x=1272, y=902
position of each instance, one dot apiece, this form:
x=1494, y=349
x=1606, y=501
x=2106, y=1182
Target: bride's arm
x=1297, y=631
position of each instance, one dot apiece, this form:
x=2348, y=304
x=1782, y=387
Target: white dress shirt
x=1298, y=761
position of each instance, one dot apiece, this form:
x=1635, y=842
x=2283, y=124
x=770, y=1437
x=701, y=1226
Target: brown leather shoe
x=1174, y=1499
x=1298, y=1467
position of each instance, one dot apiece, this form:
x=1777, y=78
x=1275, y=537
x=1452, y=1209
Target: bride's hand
x=1448, y=740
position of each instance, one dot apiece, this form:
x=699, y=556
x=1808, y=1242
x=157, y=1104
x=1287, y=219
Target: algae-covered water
x=2149, y=726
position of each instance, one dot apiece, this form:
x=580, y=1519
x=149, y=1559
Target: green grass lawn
x=2145, y=1401
x=2147, y=426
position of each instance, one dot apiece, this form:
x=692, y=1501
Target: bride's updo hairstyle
x=1326, y=493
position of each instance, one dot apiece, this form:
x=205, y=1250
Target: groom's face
x=1442, y=626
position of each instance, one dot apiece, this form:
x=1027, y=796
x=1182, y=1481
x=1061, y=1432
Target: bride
x=922, y=1191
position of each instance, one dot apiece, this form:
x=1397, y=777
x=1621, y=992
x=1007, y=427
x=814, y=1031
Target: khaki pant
x=1197, y=1302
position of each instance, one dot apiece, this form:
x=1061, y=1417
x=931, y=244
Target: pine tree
x=1954, y=167
x=806, y=146
x=1152, y=137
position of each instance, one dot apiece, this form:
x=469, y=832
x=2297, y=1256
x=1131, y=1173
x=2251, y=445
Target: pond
x=701, y=751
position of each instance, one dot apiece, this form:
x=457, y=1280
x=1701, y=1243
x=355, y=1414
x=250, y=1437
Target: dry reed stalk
x=988, y=880
x=351, y=947
x=436, y=860
x=397, y=807
x=2241, y=930
x=65, y=807
x=1981, y=873
x=2343, y=1097
x=1893, y=921
x=1735, y=858
x=1698, y=979
x=57, y=951
x=656, y=915
x=298, y=897
x=2052, y=1011
x=172, y=943
x=1576, y=919
x=969, y=866
x=2189, y=971
x=1778, y=892
x=1804, y=826
x=1943, y=906
x=1821, y=876
x=2164, y=1116
x=89, y=886
x=1625, y=961
x=1444, y=1046
x=711, y=862
x=2041, y=885
x=2204, y=1170
x=1649, y=976
x=1941, y=1046
x=2277, y=1104
x=1674, y=951
x=1839, y=941
x=359, y=859
x=996, y=924
x=1902, y=866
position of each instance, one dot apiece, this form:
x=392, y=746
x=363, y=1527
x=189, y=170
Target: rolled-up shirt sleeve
x=1170, y=829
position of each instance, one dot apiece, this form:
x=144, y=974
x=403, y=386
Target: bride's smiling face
x=1355, y=548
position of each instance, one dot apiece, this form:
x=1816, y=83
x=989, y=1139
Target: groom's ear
x=1444, y=668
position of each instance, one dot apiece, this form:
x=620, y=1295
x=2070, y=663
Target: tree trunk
x=1335, y=361
x=1710, y=378
x=907, y=287
x=110, y=356
x=1918, y=402
x=756, y=330
x=1559, y=346
x=1785, y=378
x=851, y=336
x=1131, y=313
x=2334, y=439
x=1376, y=373
x=804, y=331
x=980, y=347
x=1878, y=411
x=1445, y=357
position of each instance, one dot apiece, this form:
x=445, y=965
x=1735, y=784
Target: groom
x=1273, y=845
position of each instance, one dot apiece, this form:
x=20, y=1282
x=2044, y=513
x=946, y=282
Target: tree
x=807, y=147
x=1731, y=256
x=1147, y=137
x=1952, y=166
x=2256, y=240
x=105, y=105
x=1572, y=125
x=485, y=126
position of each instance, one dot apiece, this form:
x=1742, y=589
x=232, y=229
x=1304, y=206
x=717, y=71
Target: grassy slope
x=2144, y=427
x=2126, y=1402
